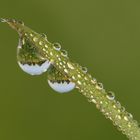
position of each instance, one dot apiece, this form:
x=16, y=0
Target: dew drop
x=66, y=71
x=57, y=46
x=110, y=95
x=28, y=59
x=99, y=86
x=20, y=22
x=35, y=39
x=61, y=86
x=79, y=82
x=94, y=81
x=31, y=35
x=40, y=43
x=64, y=53
x=84, y=69
x=70, y=65
x=44, y=35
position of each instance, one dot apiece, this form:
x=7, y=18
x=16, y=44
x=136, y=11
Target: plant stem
x=85, y=83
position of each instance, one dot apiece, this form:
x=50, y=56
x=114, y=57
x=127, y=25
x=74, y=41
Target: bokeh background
x=103, y=35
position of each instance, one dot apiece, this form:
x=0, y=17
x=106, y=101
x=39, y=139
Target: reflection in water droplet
x=57, y=46
x=34, y=69
x=61, y=86
x=110, y=95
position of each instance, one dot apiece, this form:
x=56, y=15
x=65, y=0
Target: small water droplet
x=129, y=115
x=40, y=43
x=73, y=77
x=64, y=53
x=110, y=95
x=70, y=65
x=20, y=22
x=46, y=46
x=3, y=20
x=125, y=118
x=31, y=35
x=66, y=71
x=99, y=86
x=79, y=76
x=44, y=35
x=79, y=82
x=35, y=39
x=84, y=69
x=122, y=109
x=57, y=46
x=118, y=104
x=94, y=81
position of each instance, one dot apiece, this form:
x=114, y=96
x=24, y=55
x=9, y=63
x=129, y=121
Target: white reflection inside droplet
x=35, y=69
x=62, y=87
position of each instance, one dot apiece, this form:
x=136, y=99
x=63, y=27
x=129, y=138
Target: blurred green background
x=103, y=35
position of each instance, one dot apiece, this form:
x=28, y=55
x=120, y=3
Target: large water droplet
x=57, y=46
x=61, y=86
x=58, y=81
x=110, y=95
x=29, y=60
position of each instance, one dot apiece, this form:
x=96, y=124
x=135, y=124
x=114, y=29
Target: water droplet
x=64, y=53
x=94, y=81
x=46, y=46
x=3, y=20
x=40, y=43
x=118, y=104
x=79, y=76
x=35, y=39
x=31, y=35
x=57, y=46
x=84, y=69
x=79, y=82
x=70, y=65
x=44, y=35
x=66, y=71
x=129, y=115
x=99, y=86
x=73, y=77
x=125, y=118
x=29, y=60
x=62, y=86
x=110, y=95
x=20, y=22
